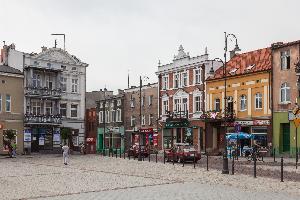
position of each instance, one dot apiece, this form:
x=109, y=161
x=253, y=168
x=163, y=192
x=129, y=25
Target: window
x=63, y=84
x=36, y=63
x=143, y=101
x=150, y=120
x=63, y=67
x=176, y=80
x=258, y=101
x=285, y=60
x=285, y=93
x=143, y=120
x=119, y=112
x=185, y=78
x=36, y=107
x=74, y=110
x=8, y=103
x=217, y=105
x=197, y=105
x=112, y=104
x=74, y=85
x=184, y=104
x=132, y=121
x=165, y=107
x=243, y=103
x=63, y=110
x=74, y=68
x=119, y=102
x=49, y=83
x=150, y=98
x=107, y=116
x=132, y=102
x=49, y=65
x=197, y=76
x=36, y=80
x=177, y=103
x=48, y=108
x=101, y=117
x=0, y=103
x=113, y=116
x=165, y=82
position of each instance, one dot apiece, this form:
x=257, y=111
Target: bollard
x=274, y=154
x=103, y=152
x=173, y=158
x=183, y=160
x=112, y=153
x=120, y=153
x=194, y=160
x=254, y=165
x=116, y=153
x=143, y=155
x=108, y=152
x=149, y=155
x=128, y=155
x=156, y=156
x=133, y=156
x=124, y=154
x=281, y=171
x=164, y=157
x=206, y=161
x=230, y=153
x=232, y=167
x=262, y=158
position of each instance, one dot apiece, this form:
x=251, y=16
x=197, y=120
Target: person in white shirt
x=65, y=149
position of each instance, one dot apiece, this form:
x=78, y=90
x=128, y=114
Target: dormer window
x=36, y=63
x=233, y=71
x=250, y=67
x=49, y=65
x=74, y=68
x=63, y=67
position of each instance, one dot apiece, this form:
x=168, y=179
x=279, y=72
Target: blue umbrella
x=239, y=135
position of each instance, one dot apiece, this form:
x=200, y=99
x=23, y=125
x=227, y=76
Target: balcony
x=40, y=92
x=42, y=119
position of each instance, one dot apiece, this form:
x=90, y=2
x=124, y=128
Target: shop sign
x=261, y=122
x=90, y=140
x=42, y=140
x=244, y=123
x=155, y=139
x=27, y=135
x=56, y=135
x=146, y=130
x=179, y=124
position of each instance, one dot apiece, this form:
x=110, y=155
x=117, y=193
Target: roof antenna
x=55, y=43
x=62, y=34
x=128, y=79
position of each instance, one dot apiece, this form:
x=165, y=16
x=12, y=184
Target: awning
x=239, y=135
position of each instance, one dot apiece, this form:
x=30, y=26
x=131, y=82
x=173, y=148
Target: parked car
x=134, y=151
x=182, y=151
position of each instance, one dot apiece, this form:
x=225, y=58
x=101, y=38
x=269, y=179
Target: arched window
x=243, y=103
x=258, y=101
x=285, y=93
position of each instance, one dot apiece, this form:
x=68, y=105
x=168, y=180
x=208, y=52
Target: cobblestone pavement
x=97, y=177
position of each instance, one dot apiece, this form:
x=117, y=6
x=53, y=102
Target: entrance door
x=285, y=137
x=34, y=143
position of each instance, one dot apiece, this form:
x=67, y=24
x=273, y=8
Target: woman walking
x=65, y=149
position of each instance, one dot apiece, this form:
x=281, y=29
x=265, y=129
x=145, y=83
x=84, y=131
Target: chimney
x=44, y=48
x=4, y=55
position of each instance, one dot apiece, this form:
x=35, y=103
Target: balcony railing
x=42, y=119
x=42, y=92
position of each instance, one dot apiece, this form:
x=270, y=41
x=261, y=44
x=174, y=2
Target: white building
x=55, y=86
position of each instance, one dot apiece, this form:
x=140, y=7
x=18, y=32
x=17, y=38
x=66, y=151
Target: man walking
x=65, y=149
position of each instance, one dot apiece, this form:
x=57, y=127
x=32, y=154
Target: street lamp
x=225, y=158
x=104, y=116
x=140, y=133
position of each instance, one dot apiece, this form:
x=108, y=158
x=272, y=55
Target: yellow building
x=248, y=77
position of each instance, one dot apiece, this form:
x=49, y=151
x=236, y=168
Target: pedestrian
x=14, y=149
x=65, y=149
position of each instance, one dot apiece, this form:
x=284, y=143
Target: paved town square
x=98, y=177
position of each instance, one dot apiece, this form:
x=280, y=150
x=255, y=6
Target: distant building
x=182, y=99
x=286, y=82
x=91, y=118
x=11, y=108
x=110, y=134
x=55, y=85
x=147, y=123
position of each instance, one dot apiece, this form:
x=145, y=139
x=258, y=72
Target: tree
x=66, y=134
x=10, y=134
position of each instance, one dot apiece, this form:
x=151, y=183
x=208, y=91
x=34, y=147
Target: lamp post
x=225, y=169
x=104, y=116
x=225, y=158
x=140, y=133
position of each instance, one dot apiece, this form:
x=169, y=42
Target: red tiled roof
x=260, y=60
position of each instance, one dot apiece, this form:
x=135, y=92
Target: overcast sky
x=113, y=36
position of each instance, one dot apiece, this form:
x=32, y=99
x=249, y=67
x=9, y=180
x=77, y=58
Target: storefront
x=113, y=139
x=43, y=139
x=90, y=145
x=149, y=138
